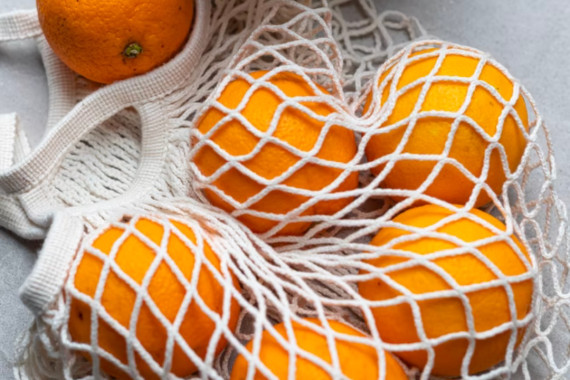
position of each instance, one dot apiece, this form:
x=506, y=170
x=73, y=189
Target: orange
x=357, y=360
x=135, y=257
x=108, y=40
x=296, y=129
x=430, y=133
x=443, y=315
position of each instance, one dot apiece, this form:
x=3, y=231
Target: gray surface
x=529, y=39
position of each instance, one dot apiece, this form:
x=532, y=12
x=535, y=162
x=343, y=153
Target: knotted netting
x=313, y=213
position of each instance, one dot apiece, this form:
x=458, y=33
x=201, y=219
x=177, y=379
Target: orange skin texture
x=430, y=133
x=442, y=316
x=91, y=36
x=296, y=129
x=357, y=361
x=134, y=257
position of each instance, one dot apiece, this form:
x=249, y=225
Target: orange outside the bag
x=295, y=128
x=441, y=316
x=134, y=257
x=110, y=40
x=430, y=133
x=357, y=360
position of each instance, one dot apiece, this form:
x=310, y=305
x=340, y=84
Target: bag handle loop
x=19, y=25
x=102, y=104
x=14, y=144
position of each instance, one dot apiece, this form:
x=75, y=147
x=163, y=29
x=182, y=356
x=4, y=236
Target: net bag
x=291, y=195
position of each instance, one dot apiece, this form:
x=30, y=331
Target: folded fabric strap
x=19, y=25
x=14, y=144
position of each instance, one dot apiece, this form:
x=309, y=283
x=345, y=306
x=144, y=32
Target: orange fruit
x=430, y=133
x=297, y=130
x=134, y=257
x=443, y=315
x=109, y=40
x=356, y=360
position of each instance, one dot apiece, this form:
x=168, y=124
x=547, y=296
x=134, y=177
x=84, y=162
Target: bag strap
x=14, y=144
x=19, y=25
x=61, y=84
x=104, y=103
x=48, y=275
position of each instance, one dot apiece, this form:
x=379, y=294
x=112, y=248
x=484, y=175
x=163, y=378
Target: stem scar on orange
x=296, y=129
x=134, y=257
x=109, y=40
x=357, y=361
x=447, y=95
x=444, y=315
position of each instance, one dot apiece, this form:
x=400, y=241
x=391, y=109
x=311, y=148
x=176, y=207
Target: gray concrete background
x=530, y=38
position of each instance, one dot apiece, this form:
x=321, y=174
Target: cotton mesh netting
x=273, y=242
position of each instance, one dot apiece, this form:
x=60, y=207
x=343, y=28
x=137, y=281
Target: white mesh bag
x=239, y=176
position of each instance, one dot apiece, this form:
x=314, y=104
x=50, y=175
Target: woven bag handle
x=68, y=123
x=14, y=144
x=50, y=270
x=19, y=25
x=99, y=106
x=61, y=80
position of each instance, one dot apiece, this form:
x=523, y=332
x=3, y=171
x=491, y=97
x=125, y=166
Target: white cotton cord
x=39, y=354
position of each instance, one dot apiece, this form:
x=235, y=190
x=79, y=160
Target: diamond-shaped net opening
x=343, y=219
